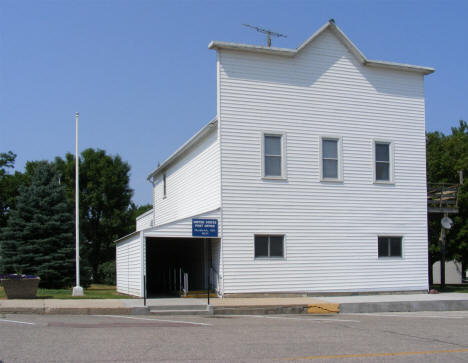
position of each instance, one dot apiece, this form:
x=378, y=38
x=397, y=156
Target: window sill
x=384, y=182
x=329, y=180
x=274, y=178
x=390, y=258
x=269, y=259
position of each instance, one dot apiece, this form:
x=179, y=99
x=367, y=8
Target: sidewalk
x=406, y=302
x=269, y=305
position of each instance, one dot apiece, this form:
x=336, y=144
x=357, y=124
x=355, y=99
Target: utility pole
x=77, y=290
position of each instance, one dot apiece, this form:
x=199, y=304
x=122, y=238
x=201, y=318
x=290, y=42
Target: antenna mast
x=268, y=32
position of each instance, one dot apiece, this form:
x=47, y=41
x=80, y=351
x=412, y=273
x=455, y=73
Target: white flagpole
x=77, y=290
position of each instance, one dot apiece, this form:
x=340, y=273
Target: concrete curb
x=404, y=306
x=316, y=308
x=71, y=311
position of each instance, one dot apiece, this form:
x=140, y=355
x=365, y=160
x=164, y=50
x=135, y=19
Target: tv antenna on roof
x=268, y=32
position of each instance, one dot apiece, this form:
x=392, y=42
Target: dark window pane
x=395, y=247
x=383, y=247
x=382, y=152
x=330, y=149
x=272, y=165
x=382, y=171
x=330, y=169
x=261, y=246
x=272, y=145
x=276, y=246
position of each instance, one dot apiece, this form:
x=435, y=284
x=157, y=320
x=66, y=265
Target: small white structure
x=313, y=169
x=454, y=273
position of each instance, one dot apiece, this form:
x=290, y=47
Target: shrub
x=106, y=273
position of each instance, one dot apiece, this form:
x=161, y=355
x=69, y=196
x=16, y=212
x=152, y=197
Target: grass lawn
x=452, y=288
x=95, y=291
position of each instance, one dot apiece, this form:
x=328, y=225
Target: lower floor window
x=390, y=246
x=269, y=246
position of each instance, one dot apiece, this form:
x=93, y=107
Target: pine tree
x=39, y=238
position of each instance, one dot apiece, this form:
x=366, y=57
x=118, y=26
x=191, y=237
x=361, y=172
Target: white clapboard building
x=311, y=179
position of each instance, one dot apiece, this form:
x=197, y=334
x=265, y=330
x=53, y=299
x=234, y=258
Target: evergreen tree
x=39, y=238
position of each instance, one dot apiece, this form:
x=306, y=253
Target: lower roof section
x=183, y=227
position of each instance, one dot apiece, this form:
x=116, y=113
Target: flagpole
x=77, y=290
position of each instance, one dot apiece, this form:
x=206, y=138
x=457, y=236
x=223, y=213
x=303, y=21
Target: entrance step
x=181, y=310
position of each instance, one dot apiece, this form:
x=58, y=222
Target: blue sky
x=141, y=75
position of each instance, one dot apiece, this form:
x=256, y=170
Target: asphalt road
x=348, y=338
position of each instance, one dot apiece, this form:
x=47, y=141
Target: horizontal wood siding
x=193, y=183
x=145, y=220
x=181, y=228
x=330, y=228
x=216, y=262
x=128, y=265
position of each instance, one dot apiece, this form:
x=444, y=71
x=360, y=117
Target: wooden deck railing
x=442, y=197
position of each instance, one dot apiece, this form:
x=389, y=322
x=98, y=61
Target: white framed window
x=269, y=246
x=164, y=186
x=390, y=246
x=331, y=164
x=383, y=161
x=273, y=155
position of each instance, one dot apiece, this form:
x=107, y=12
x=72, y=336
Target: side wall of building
x=129, y=265
x=330, y=228
x=192, y=183
x=145, y=220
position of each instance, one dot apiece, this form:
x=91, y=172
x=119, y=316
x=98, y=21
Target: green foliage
x=9, y=184
x=38, y=238
x=106, y=273
x=106, y=211
x=446, y=155
x=95, y=291
x=137, y=211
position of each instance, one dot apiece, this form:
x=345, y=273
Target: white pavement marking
x=290, y=318
x=152, y=319
x=17, y=322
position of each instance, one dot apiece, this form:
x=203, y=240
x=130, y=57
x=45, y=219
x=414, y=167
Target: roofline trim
x=217, y=45
x=188, y=144
x=126, y=236
x=144, y=214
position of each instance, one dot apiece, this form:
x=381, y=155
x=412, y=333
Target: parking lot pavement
x=382, y=337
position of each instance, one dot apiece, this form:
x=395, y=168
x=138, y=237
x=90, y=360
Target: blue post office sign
x=204, y=228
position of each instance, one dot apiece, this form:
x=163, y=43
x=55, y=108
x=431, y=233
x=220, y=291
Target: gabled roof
x=190, y=142
x=330, y=25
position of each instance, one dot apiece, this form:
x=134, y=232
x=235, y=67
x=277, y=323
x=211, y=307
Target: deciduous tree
x=105, y=201
x=446, y=155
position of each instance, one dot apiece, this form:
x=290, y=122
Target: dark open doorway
x=165, y=257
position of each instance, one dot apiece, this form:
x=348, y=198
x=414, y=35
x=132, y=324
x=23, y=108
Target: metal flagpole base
x=77, y=291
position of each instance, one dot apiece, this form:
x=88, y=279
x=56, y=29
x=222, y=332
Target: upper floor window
x=269, y=246
x=390, y=246
x=331, y=159
x=164, y=186
x=383, y=161
x=273, y=156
